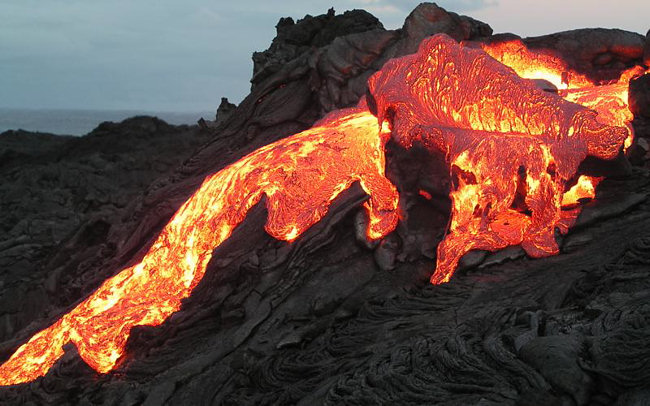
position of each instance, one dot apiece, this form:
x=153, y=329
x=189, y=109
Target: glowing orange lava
x=536, y=64
x=511, y=149
x=300, y=177
x=585, y=188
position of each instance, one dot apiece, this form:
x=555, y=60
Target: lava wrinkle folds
x=503, y=138
x=492, y=124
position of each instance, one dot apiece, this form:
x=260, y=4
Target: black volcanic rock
x=295, y=39
x=224, y=111
x=134, y=126
x=639, y=96
x=646, y=50
x=60, y=200
x=428, y=19
x=319, y=321
x=20, y=146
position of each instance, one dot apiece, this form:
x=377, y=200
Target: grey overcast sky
x=182, y=56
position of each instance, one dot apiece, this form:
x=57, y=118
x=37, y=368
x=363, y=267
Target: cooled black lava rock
x=646, y=50
x=295, y=39
x=62, y=196
x=224, y=110
x=639, y=96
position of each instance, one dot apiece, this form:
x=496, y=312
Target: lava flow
x=512, y=150
x=609, y=100
x=511, y=147
x=300, y=177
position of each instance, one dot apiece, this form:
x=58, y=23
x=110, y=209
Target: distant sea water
x=81, y=122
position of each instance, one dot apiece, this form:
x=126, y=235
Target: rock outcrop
x=294, y=39
x=639, y=96
x=224, y=111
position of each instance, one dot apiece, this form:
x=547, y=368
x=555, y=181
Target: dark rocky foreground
x=61, y=196
x=326, y=319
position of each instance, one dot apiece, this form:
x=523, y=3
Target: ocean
x=81, y=122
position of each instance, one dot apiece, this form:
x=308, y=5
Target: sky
x=168, y=55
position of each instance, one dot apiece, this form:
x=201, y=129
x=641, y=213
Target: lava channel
x=300, y=177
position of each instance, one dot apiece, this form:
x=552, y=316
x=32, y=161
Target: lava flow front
x=512, y=149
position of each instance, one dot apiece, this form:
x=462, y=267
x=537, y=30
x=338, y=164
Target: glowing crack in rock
x=503, y=137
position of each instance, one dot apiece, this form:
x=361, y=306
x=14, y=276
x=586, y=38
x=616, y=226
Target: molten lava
x=300, y=177
x=610, y=100
x=511, y=148
x=536, y=64
x=503, y=137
